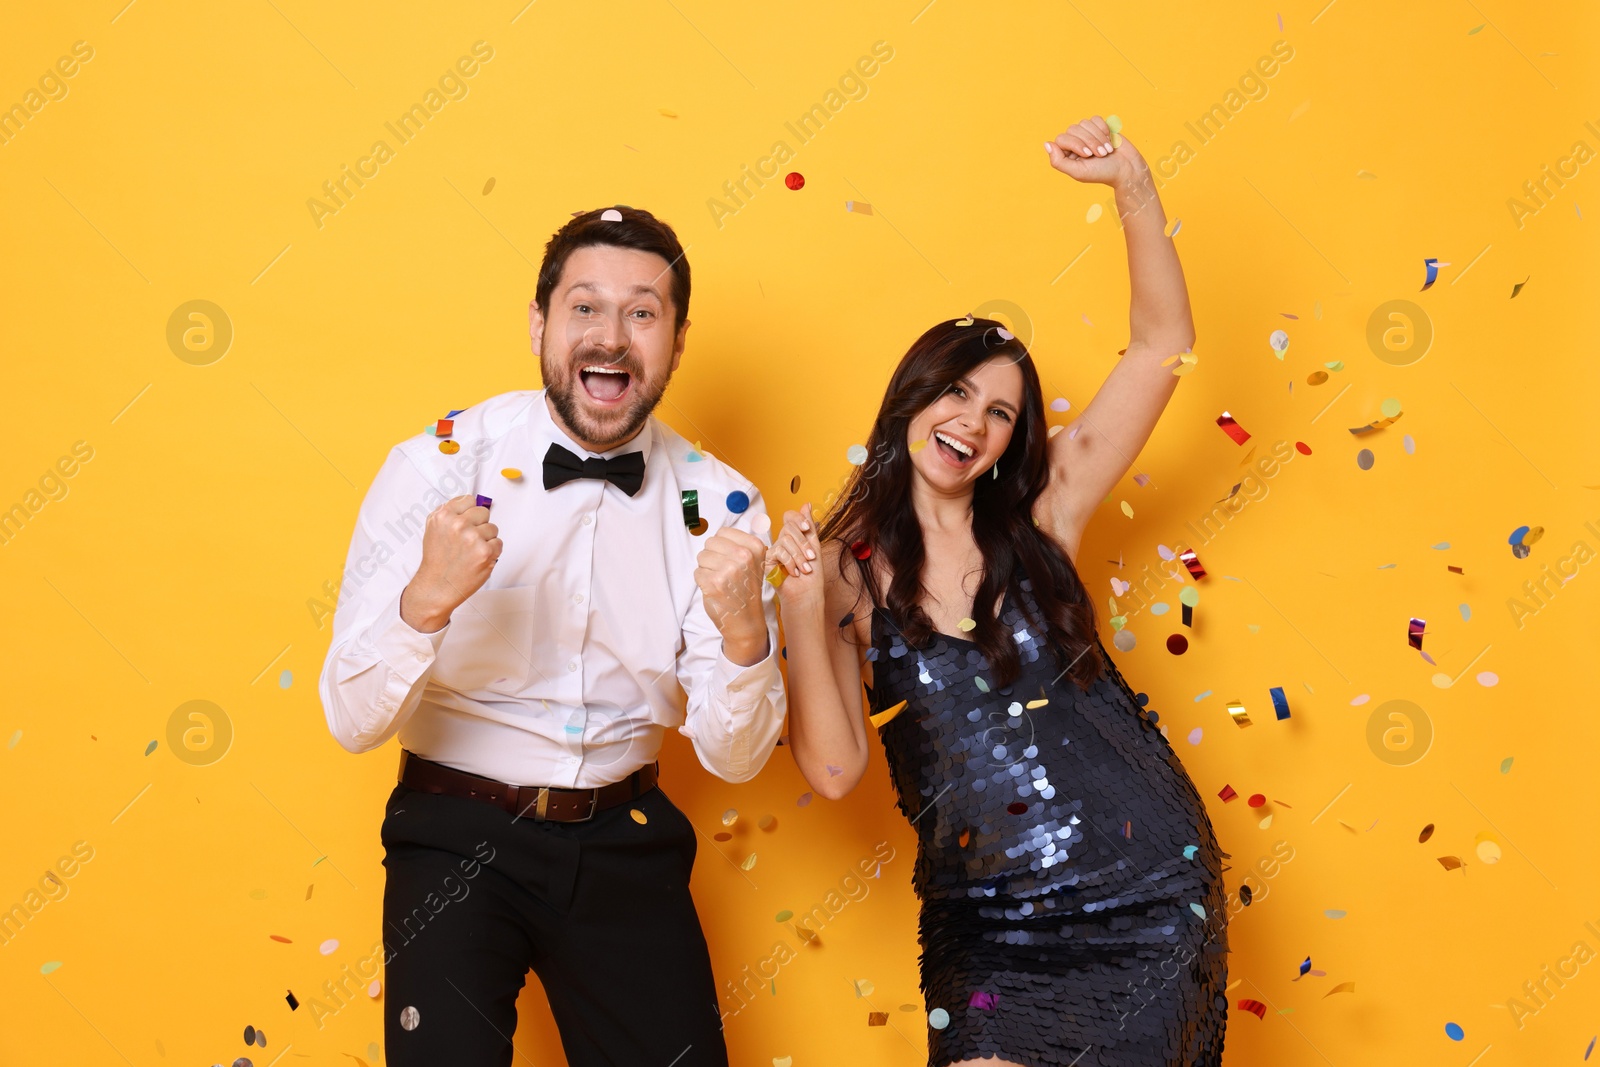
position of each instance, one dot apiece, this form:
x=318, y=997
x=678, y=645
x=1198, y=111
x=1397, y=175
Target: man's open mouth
x=605, y=385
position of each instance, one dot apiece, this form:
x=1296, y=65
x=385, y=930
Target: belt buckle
x=541, y=805
x=594, y=805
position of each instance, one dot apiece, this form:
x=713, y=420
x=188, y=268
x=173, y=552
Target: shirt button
x=577, y=598
x=587, y=519
x=572, y=665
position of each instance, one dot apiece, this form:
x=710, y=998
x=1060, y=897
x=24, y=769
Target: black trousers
x=600, y=910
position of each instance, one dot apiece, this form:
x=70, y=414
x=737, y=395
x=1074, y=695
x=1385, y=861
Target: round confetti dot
x=938, y=1018
x=286, y=679
x=794, y=484
x=738, y=502
x=783, y=916
x=449, y=448
x=1127, y=509
x=1017, y=807
x=1488, y=679
x=488, y=187
x=794, y=179
x=768, y=823
x=261, y=1038
x=1094, y=213
x=1189, y=596
x=608, y=215
x=1521, y=551
x=1411, y=445
x=1195, y=735
x=243, y=1061
x=1360, y=700
x=861, y=549
x=1364, y=459
x=1160, y=607
x=375, y=989
x=967, y=625
x=1335, y=913
x=51, y=966
x=804, y=799
x=722, y=836
x=249, y=1035
x=1390, y=407
x=511, y=474
x=1124, y=640
x=329, y=946
x=730, y=816
x=1303, y=448
x=638, y=816
x=1256, y=800
x=700, y=526
x=1246, y=894
x=856, y=454
x=1317, y=377
x=1442, y=680
x=1454, y=1032
x=1279, y=341
x=410, y=1018
x=1488, y=852
x=1060, y=403
x=1177, y=644
x=1427, y=832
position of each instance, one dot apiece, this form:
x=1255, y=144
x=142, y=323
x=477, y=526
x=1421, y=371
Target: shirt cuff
x=407, y=651
x=744, y=685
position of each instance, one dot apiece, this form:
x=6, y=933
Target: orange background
x=178, y=561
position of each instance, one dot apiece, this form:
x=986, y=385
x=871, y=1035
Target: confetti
x=151, y=747
x=50, y=967
x=856, y=455
x=410, y=1018
x=1450, y=863
x=794, y=180
x=1505, y=765
x=1488, y=679
x=804, y=799
x=1427, y=832
x=375, y=989
x=1176, y=226
x=479, y=500
x=1256, y=800
x=1246, y=894
x=1280, y=703
x=293, y=1001
x=1189, y=851
x=449, y=448
x=738, y=502
x=1279, y=342
x=1060, y=403
x=886, y=714
x=488, y=187
x=1515, y=289
x=1227, y=793
x=281, y=938
x=15, y=738
x=859, y=207
x=1094, y=213
x=286, y=679
x=938, y=1018
x=1195, y=735
x=1114, y=124
x=1335, y=913
x=794, y=484
x=1432, y=267
x=1453, y=1030
x=1364, y=459
x=967, y=625
x=329, y=946
x=982, y=1000
x=1415, y=629
x=1198, y=909
x=608, y=215
x=442, y=428
x=1232, y=428
x=877, y=1018
x=664, y=113
x=1253, y=1006
x=1470, y=32
x=1241, y=718
x=730, y=816
x=1342, y=987
x=1177, y=644
x=513, y=474
x=749, y=862
x=1192, y=561
x=638, y=816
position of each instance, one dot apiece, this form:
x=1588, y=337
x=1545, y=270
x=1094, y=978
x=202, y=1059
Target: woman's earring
x=994, y=471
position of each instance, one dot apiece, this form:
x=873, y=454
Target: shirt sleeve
x=377, y=664
x=734, y=713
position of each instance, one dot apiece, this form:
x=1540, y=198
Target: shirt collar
x=546, y=426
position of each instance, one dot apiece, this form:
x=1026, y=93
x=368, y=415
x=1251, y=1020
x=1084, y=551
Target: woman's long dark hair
x=876, y=511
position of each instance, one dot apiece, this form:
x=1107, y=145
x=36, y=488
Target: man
x=531, y=663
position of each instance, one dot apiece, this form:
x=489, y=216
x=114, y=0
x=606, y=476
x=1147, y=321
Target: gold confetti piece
x=449, y=448
x=1094, y=213
x=864, y=987
x=730, y=816
x=776, y=575
x=877, y=1018
x=1317, y=377
x=1450, y=863
x=1240, y=717
x=749, y=862
x=860, y=207
x=1233, y=984
x=1264, y=823
x=667, y=114
x=1342, y=987
x=968, y=321
x=1375, y=425
x=1037, y=703
x=638, y=816
x=488, y=187
x=768, y=823
x=967, y=625
x=886, y=714
x=309, y=888
x=783, y=1061
x=512, y=473
x=1127, y=509
x=918, y=446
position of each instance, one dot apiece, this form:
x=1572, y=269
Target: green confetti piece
x=1390, y=407
x=1336, y=365
x=318, y=860
x=784, y=916
x=1190, y=596
x=1505, y=765
x=1475, y=29
x=51, y=966
x=151, y=747
x=1198, y=909
x=1114, y=123
x=983, y=686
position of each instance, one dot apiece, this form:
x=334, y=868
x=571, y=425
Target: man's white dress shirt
x=590, y=637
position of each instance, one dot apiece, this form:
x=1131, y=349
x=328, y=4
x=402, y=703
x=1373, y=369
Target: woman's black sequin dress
x=1062, y=921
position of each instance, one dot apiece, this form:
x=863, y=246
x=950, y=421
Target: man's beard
x=618, y=425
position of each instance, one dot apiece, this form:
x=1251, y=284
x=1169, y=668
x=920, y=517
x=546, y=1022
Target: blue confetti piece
x=1202, y=696
x=1160, y=607
x=1454, y=1032
x=1517, y=535
x=1189, y=851
x=454, y=413
x=151, y=747
x=1305, y=965
x=1280, y=703
x=1432, y=267
x=738, y=502
x=1198, y=910
x=573, y=729
x=1590, y=1048
x=286, y=679
x=694, y=457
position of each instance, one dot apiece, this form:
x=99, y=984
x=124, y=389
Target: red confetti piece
x=1256, y=800
x=1415, y=632
x=794, y=179
x=861, y=549
x=1255, y=1007
x=1177, y=644
x=1303, y=448
x=285, y=940
x=443, y=427
x=1232, y=428
x=1017, y=807
x=1227, y=793
x=1192, y=561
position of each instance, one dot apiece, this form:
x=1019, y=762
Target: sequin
x=1057, y=863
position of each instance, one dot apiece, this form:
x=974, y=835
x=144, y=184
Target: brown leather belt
x=542, y=803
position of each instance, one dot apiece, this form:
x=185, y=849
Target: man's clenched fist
x=459, y=549
x=729, y=576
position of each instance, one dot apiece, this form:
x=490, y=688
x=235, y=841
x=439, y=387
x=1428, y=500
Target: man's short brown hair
x=638, y=229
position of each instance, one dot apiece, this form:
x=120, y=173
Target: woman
x=1072, y=904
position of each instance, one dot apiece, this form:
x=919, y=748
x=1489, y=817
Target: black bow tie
x=626, y=471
